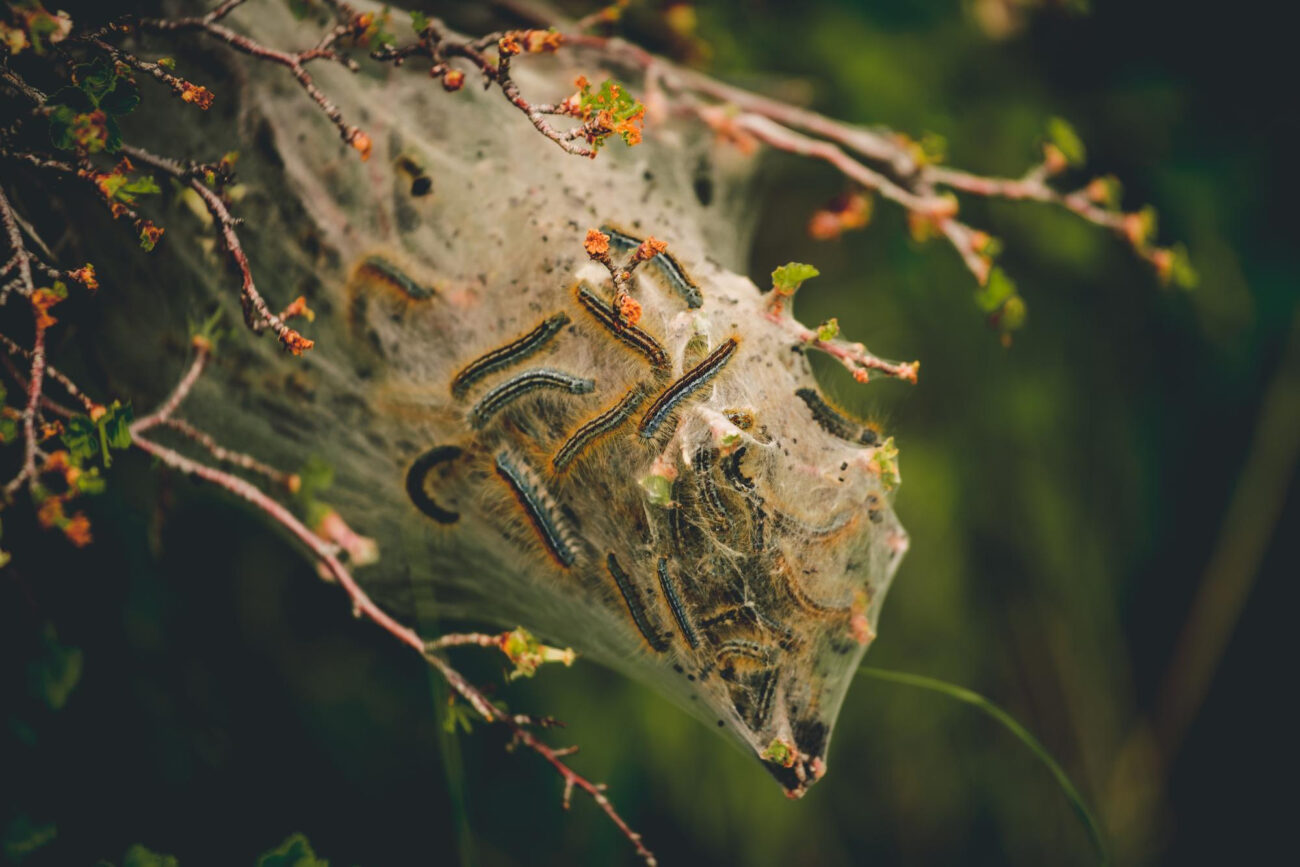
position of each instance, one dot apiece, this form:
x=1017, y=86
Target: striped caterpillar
x=670, y=498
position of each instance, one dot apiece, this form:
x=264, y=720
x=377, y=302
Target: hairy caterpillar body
x=670, y=498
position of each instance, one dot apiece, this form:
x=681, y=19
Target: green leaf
x=419, y=22
x=1061, y=134
x=90, y=482
x=85, y=438
x=73, y=97
x=1012, y=725
x=96, y=79
x=122, y=99
x=780, y=752
x=117, y=425
x=209, y=329
x=316, y=476
x=828, y=330
x=1184, y=276
x=790, y=276
x=81, y=436
x=55, y=673
x=143, y=185
x=295, y=851
x=1012, y=315
x=314, y=479
x=139, y=856
x=23, y=837
x=995, y=291
x=457, y=715
x=61, y=118
x=113, y=141
x=885, y=457
x=148, y=239
x=658, y=489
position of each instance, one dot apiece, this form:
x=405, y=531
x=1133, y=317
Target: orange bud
x=509, y=45
x=295, y=342
x=453, y=80
x=629, y=310
x=596, y=244
x=78, y=530
x=361, y=142
x=824, y=226
x=85, y=275
x=1055, y=161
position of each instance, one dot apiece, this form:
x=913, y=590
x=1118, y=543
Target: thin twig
x=363, y=606
x=256, y=312
x=22, y=259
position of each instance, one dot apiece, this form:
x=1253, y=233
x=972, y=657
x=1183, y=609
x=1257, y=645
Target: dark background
x=1065, y=498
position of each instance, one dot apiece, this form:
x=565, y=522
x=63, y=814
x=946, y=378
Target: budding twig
x=256, y=312
x=296, y=62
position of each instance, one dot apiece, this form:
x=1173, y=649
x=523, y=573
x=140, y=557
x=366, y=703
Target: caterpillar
x=511, y=353
x=693, y=380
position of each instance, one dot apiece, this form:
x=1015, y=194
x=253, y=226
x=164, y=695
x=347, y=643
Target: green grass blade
x=1012, y=725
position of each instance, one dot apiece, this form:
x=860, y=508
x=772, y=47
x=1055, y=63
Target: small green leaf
x=55, y=673
x=885, y=458
x=934, y=147
x=789, y=277
x=295, y=851
x=90, y=482
x=139, y=856
x=113, y=138
x=22, y=837
x=1184, y=276
x=209, y=329
x=995, y=291
x=457, y=714
x=828, y=330
x=122, y=99
x=143, y=185
x=419, y=23
x=779, y=752
x=117, y=425
x=1061, y=134
x=658, y=489
x=61, y=119
x=314, y=479
x=96, y=78
x=8, y=429
x=1012, y=315
x=85, y=438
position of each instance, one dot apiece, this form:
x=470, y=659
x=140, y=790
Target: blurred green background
x=1081, y=505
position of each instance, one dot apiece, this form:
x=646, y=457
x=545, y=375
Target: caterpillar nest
x=670, y=497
